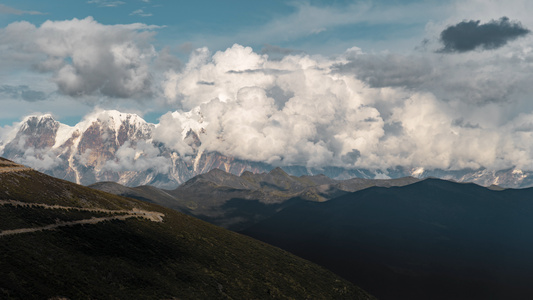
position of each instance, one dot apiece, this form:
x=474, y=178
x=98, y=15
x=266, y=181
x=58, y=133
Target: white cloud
x=140, y=157
x=86, y=57
x=427, y=110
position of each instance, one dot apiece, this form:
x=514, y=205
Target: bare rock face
x=120, y=147
x=36, y=132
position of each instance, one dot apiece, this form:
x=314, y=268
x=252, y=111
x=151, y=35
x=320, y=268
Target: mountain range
x=124, y=148
x=60, y=240
x=236, y=202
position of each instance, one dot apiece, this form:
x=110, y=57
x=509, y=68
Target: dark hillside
x=237, y=202
x=430, y=240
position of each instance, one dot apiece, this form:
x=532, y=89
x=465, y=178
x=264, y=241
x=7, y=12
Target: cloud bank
x=283, y=107
x=360, y=110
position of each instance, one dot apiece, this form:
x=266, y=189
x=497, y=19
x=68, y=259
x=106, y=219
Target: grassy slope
x=139, y=259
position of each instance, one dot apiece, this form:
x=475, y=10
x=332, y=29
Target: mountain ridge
x=235, y=202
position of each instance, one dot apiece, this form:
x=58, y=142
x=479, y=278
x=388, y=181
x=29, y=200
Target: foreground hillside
x=429, y=240
x=62, y=239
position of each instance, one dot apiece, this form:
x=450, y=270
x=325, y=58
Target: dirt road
x=126, y=214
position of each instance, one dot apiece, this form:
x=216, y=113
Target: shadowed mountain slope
x=59, y=239
x=237, y=202
x=433, y=239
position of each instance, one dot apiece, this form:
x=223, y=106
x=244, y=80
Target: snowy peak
x=35, y=124
x=114, y=120
x=37, y=132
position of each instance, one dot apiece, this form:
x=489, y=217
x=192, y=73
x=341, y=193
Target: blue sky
x=220, y=24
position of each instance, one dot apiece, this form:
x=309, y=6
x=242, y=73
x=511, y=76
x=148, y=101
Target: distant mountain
x=432, y=239
x=98, y=149
x=236, y=202
x=124, y=148
x=59, y=240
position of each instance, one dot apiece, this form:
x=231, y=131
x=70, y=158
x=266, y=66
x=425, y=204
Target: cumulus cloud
x=170, y=132
x=359, y=110
x=140, y=157
x=314, y=120
x=86, y=57
x=41, y=159
x=471, y=35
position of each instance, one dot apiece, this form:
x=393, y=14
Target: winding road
x=134, y=213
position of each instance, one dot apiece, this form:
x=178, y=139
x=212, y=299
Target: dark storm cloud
x=469, y=35
x=22, y=92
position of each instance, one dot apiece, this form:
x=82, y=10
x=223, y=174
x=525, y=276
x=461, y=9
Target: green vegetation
x=181, y=257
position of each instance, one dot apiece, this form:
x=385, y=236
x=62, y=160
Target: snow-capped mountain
x=110, y=146
x=122, y=147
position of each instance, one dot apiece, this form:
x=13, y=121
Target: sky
x=375, y=84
